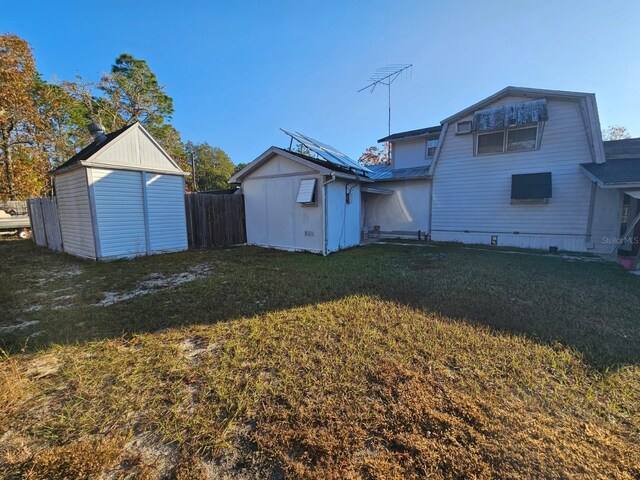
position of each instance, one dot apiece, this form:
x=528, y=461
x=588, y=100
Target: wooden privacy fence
x=215, y=219
x=45, y=224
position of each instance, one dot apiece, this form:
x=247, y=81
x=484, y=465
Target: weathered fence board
x=37, y=222
x=215, y=219
x=45, y=224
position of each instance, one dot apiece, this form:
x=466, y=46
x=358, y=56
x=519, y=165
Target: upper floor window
x=431, y=147
x=463, y=127
x=507, y=140
x=522, y=139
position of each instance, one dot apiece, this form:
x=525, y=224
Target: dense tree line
x=44, y=123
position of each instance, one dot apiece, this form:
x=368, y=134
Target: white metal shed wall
x=343, y=219
x=119, y=209
x=274, y=219
x=74, y=212
x=166, y=216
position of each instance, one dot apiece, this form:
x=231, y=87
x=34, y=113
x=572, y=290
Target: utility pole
x=193, y=172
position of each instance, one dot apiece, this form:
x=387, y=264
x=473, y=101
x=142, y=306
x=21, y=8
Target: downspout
x=324, y=213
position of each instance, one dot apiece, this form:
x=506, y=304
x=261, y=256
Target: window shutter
x=531, y=186
x=307, y=191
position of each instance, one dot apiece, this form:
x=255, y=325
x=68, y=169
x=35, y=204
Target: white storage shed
x=298, y=202
x=121, y=196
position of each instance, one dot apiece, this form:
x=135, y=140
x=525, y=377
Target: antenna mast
x=386, y=76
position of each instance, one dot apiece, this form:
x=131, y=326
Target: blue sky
x=238, y=71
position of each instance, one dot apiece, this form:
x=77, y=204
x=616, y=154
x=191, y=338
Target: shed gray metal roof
x=384, y=173
x=615, y=173
x=626, y=148
x=413, y=133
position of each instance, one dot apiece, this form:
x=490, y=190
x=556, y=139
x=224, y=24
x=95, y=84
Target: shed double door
x=138, y=212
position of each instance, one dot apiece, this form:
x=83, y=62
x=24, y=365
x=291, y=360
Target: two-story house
x=524, y=167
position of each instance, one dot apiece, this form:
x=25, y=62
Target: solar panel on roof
x=326, y=152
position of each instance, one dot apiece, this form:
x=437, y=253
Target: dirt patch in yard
x=18, y=326
x=155, y=283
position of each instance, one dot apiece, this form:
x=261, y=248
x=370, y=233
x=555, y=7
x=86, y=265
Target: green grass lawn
x=384, y=361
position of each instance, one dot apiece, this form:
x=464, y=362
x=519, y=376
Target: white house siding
x=136, y=149
x=406, y=210
x=74, y=212
x=119, y=209
x=607, y=215
x=274, y=219
x=167, y=224
x=471, y=194
x=409, y=153
x=343, y=219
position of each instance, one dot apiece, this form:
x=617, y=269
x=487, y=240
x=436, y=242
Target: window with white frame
x=431, y=147
x=507, y=140
x=463, y=127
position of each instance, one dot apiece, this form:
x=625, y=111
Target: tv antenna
x=386, y=76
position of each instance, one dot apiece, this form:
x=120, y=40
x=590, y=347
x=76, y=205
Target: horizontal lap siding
x=136, y=149
x=166, y=213
x=473, y=192
x=119, y=212
x=410, y=154
x=75, y=213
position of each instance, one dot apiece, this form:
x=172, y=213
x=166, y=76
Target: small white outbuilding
x=295, y=201
x=121, y=196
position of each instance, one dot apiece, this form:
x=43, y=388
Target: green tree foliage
x=133, y=94
x=239, y=167
x=42, y=124
x=213, y=167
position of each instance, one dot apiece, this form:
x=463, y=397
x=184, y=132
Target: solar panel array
x=327, y=152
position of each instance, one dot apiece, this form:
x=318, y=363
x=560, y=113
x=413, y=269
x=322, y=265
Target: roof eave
x=271, y=151
x=409, y=137
x=416, y=177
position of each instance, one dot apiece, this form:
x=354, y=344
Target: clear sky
x=239, y=70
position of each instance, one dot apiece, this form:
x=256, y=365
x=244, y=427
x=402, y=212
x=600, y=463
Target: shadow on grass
x=592, y=307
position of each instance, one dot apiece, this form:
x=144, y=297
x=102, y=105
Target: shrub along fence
x=215, y=219
x=45, y=224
